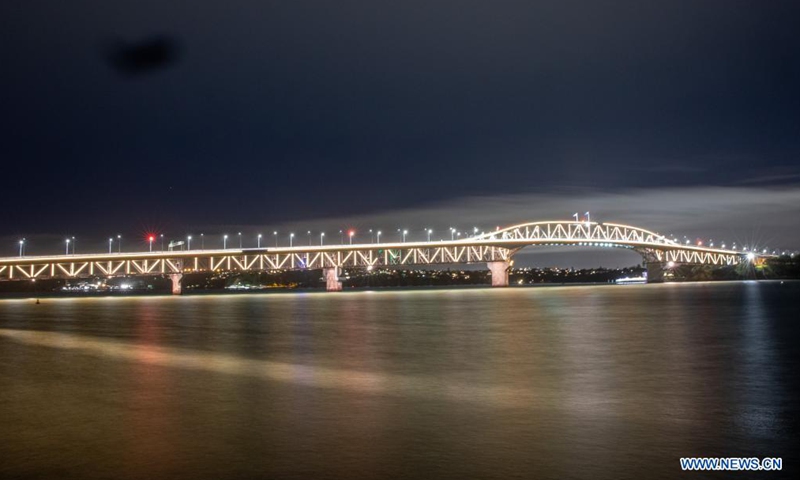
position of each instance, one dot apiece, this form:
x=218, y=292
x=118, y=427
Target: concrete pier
x=655, y=272
x=176, y=283
x=499, y=273
x=332, y=283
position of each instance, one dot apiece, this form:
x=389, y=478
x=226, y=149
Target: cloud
x=764, y=215
x=748, y=215
x=771, y=179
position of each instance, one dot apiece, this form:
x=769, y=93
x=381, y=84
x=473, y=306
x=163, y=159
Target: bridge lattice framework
x=494, y=248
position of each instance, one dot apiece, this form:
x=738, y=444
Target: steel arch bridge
x=496, y=249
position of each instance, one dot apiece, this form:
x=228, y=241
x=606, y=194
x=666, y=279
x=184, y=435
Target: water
x=563, y=382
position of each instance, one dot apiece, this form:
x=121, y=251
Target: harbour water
x=564, y=382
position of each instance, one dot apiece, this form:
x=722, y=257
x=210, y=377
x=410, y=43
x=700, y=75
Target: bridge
x=495, y=249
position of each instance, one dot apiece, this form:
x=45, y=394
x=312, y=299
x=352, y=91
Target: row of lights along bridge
x=375, y=237
x=151, y=239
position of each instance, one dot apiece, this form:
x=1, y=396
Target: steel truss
x=242, y=260
x=494, y=246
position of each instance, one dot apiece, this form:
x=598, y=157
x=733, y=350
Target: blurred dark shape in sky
x=147, y=56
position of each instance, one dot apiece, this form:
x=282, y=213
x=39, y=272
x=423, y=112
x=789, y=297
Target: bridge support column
x=655, y=272
x=499, y=273
x=176, y=283
x=332, y=283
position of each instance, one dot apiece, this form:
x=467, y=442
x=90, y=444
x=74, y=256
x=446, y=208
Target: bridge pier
x=176, y=283
x=655, y=272
x=499, y=271
x=332, y=283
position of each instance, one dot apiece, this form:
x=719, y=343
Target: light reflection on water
x=585, y=382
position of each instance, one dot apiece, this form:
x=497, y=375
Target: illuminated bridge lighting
x=493, y=246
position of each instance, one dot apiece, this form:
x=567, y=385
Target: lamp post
x=119, y=243
x=429, y=231
x=188, y=242
x=405, y=232
x=225, y=242
x=73, y=245
x=21, y=246
x=341, y=238
x=259, y=240
x=351, y=233
x=452, y=233
x=151, y=242
x=321, y=238
x=162, y=242
x=202, y=241
x=379, y=236
x=275, y=234
x=240, y=240
x=291, y=240
x=110, y=241
x=309, y=237
x=371, y=236
x=66, y=252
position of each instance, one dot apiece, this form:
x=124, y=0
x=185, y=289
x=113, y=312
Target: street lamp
x=275, y=234
x=341, y=238
x=188, y=242
x=291, y=238
x=321, y=238
x=371, y=236
x=110, y=241
x=240, y=240
x=73, y=245
x=162, y=243
x=21, y=246
x=202, y=241
x=151, y=238
x=429, y=231
x=309, y=237
x=67, y=249
x=225, y=242
x=452, y=233
x=119, y=243
x=351, y=233
x=259, y=240
x=379, y=236
x=405, y=232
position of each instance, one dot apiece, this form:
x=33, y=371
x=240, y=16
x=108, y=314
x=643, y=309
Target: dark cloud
x=146, y=56
x=748, y=215
x=281, y=111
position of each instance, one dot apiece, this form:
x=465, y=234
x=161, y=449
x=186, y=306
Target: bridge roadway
x=496, y=249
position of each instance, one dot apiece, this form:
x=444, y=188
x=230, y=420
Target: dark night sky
x=266, y=113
